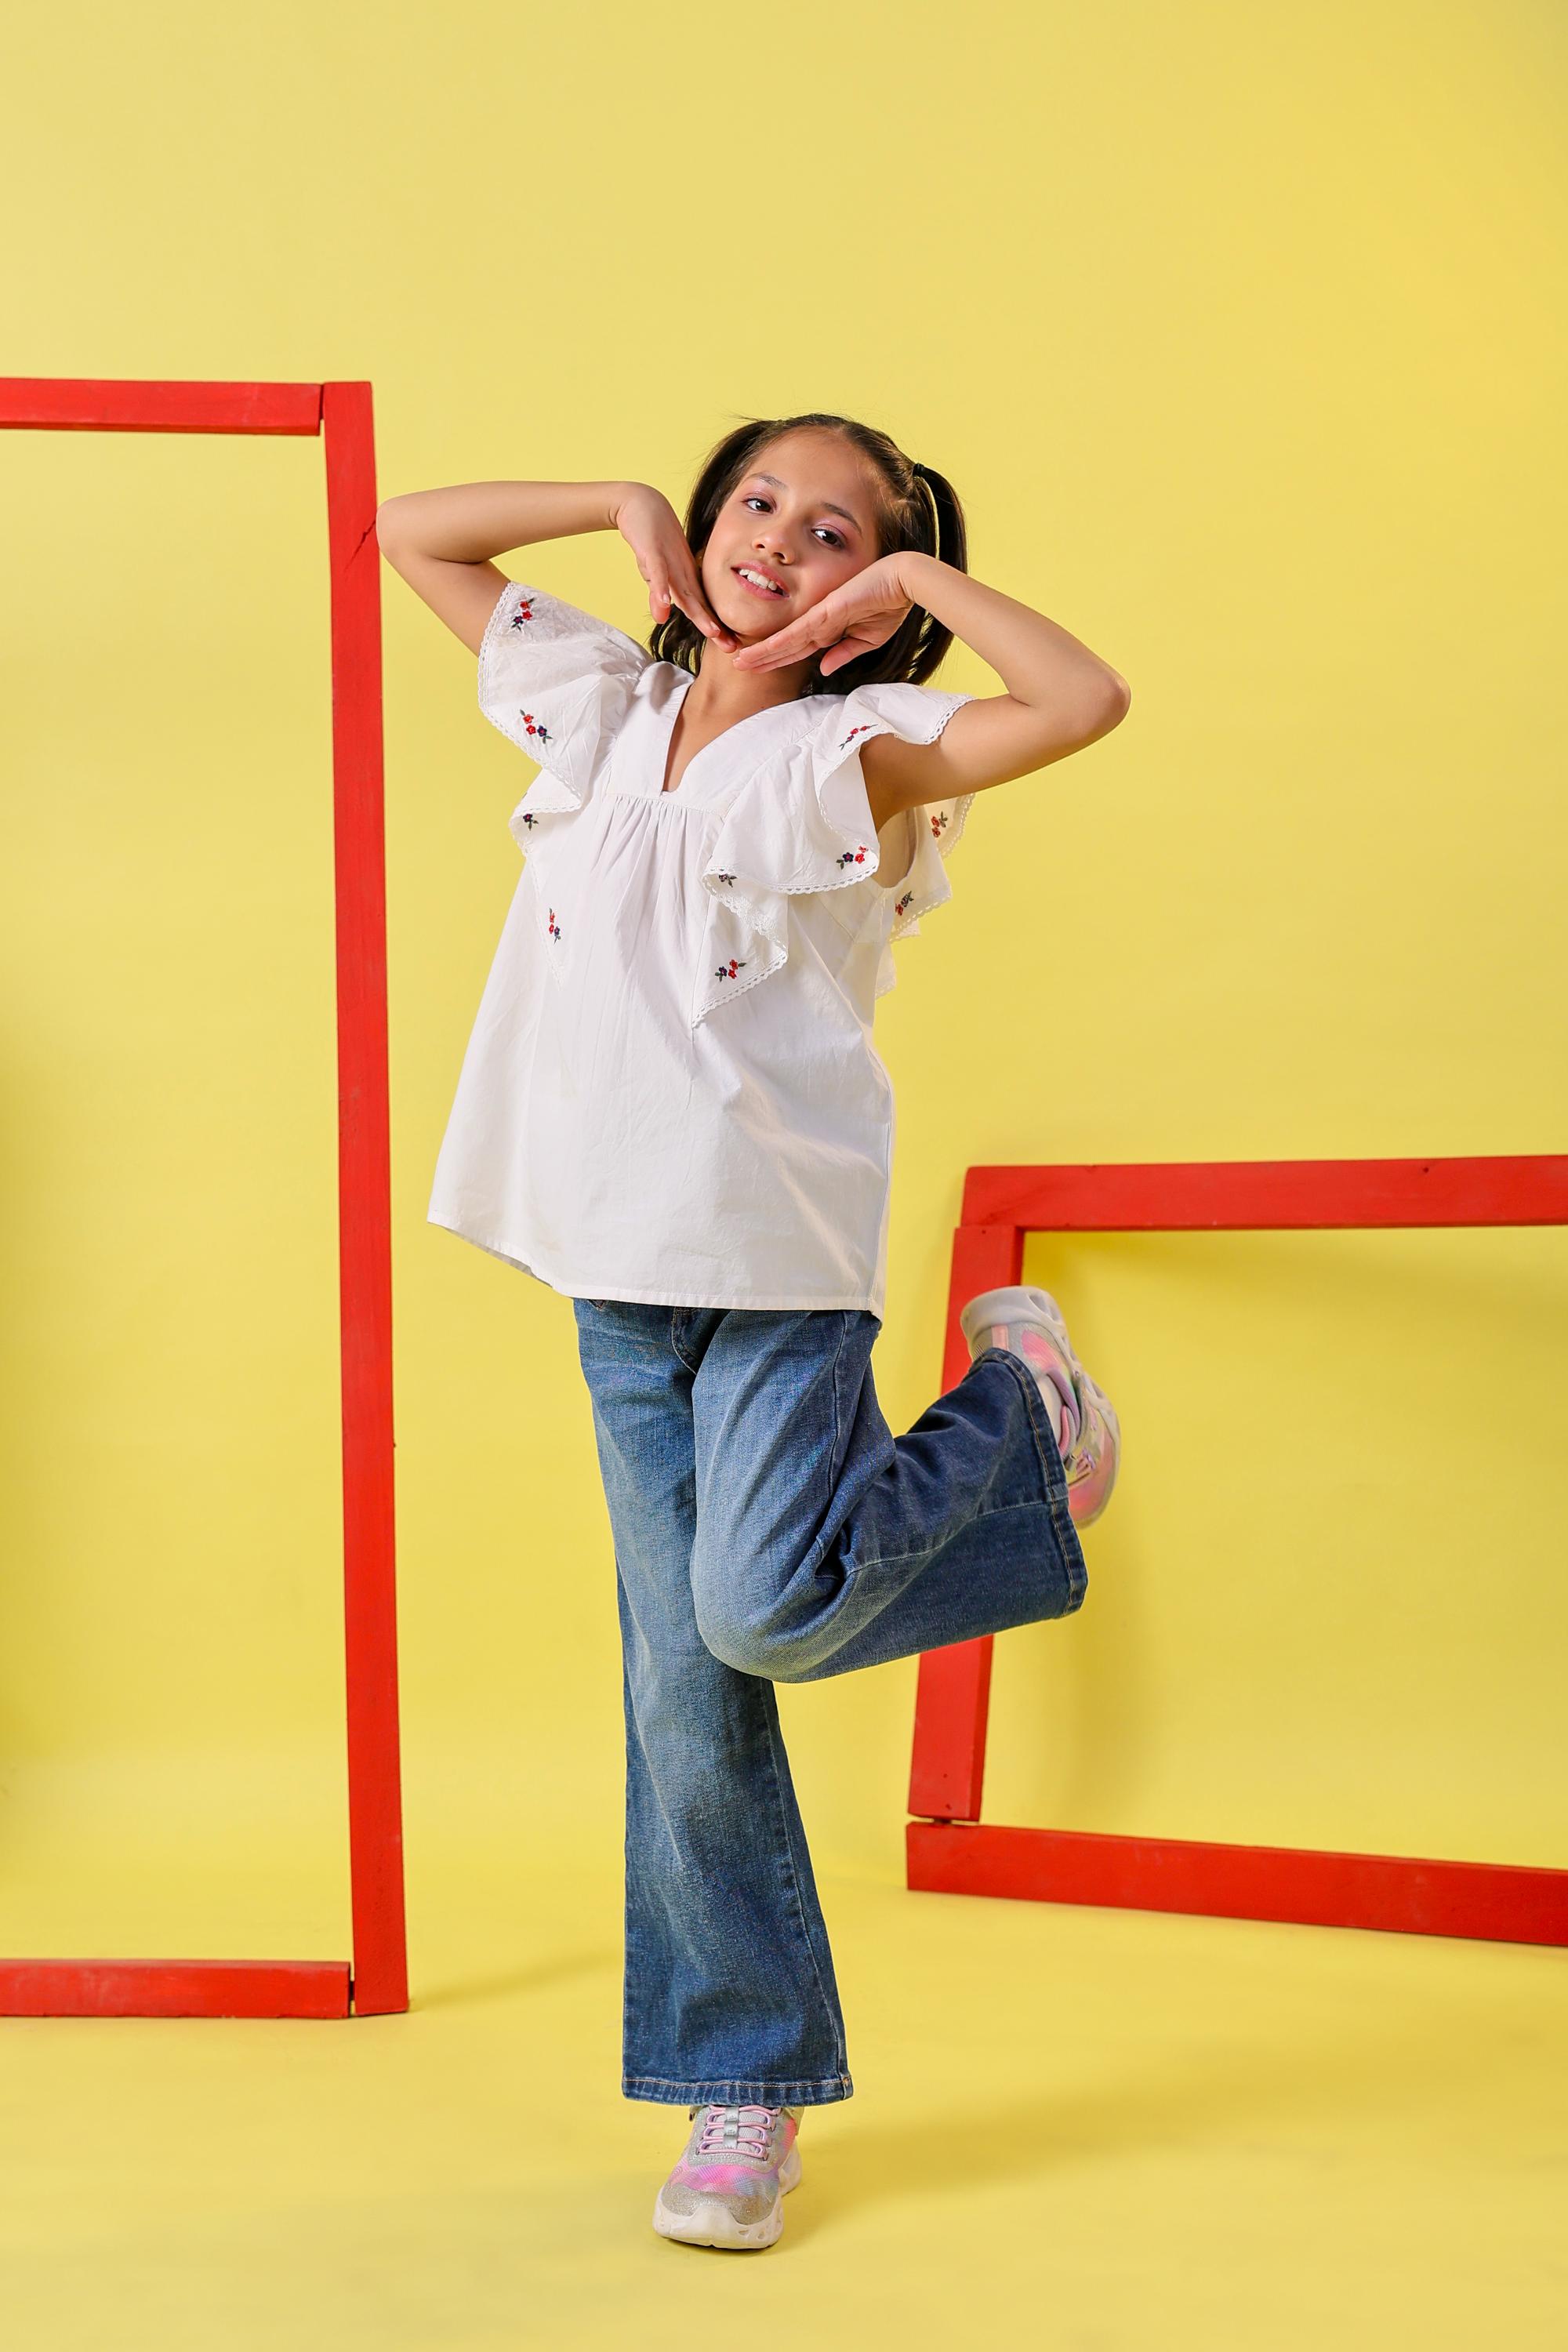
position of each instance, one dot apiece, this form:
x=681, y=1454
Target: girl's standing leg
x=730, y=1988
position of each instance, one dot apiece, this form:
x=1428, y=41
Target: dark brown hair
x=903, y=518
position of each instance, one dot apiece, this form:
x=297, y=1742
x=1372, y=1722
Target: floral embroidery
x=900, y=904
x=864, y=728
x=536, y=727
x=723, y=878
x=856, y=856
x=528, y=817
x=939, y=823
x=728, y=970
x=555, y=926
x=523, y=612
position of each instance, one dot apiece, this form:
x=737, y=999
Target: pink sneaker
x=729, y=2187
x=1029, y=1323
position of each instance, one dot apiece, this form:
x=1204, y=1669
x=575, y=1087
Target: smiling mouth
x=777, y=594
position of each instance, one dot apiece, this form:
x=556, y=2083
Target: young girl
x=671, y=1111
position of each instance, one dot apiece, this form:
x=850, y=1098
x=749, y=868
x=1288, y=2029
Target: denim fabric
x=769, y=1528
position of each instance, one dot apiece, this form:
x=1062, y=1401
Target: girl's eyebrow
x=827, y=504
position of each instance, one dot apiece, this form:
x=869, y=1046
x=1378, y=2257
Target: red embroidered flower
x=523, y=612
x=723, y=878
x=528, y=817
x=535, y=727
x=901, y=903
x=728, y=970
x=939, y=820
x=851, y=857
x=864, y=728
x=555, y=926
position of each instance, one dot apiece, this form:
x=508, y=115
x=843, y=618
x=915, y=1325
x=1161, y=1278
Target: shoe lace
x=742, y=2130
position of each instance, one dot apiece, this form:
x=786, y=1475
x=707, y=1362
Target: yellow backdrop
x=1239, y=370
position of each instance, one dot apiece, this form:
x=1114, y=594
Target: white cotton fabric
x=670, y=1094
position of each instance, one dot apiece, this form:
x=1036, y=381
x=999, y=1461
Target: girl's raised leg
x=824, y=1542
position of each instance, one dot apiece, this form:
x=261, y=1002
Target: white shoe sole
x=1023, y=1301
x=711, y=2223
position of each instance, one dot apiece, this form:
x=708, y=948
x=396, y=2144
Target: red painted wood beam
x=85, y=405
x=1498, y=1902
x=1270, y=1195
x=174, y=1987
x=364, y=1209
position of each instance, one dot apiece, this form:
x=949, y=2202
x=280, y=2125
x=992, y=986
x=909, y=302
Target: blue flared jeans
x=768, y=1526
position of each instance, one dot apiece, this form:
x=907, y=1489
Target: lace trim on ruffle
x=940, y=828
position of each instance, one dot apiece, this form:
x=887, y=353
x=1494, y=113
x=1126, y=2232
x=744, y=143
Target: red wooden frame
x=376, y=1981
x=949, y=1851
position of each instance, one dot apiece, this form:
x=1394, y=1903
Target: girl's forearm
x=1037, y=661
x=473, y=521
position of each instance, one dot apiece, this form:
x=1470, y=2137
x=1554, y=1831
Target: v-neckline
x=667, y=737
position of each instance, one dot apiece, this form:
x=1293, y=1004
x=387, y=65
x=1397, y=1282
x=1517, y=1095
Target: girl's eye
x=836, y=538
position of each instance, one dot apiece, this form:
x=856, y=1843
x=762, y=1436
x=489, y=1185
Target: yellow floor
x=1092, y=2129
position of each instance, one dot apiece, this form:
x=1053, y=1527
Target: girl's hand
x=652, y=529
x=862, y=613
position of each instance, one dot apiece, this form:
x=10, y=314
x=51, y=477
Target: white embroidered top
x=670, y=1094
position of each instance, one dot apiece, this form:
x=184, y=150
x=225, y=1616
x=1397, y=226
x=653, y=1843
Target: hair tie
x=935, y=516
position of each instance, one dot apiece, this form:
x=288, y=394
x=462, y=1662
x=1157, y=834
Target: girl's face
x=805, y=520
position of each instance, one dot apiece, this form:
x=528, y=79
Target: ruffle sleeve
x=558, y=683
x=803, y=823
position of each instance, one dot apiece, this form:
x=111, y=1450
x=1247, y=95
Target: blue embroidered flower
x=536, y=727
x=856, y=856
x=555, y=926
x=728, y=970
x=528, y=817
x=523, y=612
